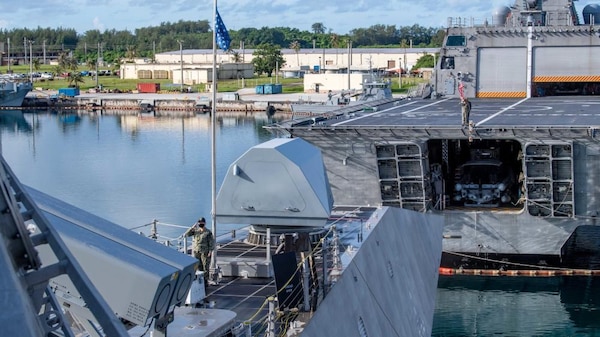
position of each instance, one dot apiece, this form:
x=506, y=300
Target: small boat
x=373, y=89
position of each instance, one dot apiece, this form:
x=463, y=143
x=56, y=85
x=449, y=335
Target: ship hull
x=390, y=158
x=14, y=96
x=534, y=118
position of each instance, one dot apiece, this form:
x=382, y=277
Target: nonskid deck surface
x=244, y=296
x=572, y=111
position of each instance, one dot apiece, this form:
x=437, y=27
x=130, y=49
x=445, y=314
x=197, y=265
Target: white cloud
x=340, y=15
x=97, y=24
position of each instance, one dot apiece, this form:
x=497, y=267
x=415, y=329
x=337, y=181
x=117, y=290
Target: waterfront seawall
x=159, y=103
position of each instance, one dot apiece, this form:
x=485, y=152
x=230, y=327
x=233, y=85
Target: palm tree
x=236, y=57
x=91, y=64
x=295, y=45
x=335, y=41
x=36, y=64
x=130, y=53
x=66, y=62
x=75, y=78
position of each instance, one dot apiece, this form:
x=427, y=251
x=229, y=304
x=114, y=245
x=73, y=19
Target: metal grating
x=549, y=179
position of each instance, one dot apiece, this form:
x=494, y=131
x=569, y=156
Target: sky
x=339, y=16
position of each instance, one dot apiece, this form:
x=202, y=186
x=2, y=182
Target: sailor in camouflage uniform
x=202, y=245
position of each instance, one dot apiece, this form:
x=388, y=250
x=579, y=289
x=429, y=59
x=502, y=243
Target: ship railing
x=160, y=232
x=461, y=22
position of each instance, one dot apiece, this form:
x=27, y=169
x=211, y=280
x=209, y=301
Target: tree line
x=118, y=45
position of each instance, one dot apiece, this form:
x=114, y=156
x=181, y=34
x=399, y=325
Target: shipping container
x=231, y=96
x=260, y=89
x=148, y=87
x=68, y=92
x=272, y=88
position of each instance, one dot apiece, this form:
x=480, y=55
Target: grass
x=289, y=85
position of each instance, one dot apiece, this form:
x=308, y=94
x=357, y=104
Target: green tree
x=91, y=63
x=36, y=64
x=67, y=63
x=266, y=58
x=425, y=61
x=318, y=28
x=75, y=78
x=296, y=47
x=236, y=57
x=130, y=53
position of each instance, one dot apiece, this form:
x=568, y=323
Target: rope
x=505, y=262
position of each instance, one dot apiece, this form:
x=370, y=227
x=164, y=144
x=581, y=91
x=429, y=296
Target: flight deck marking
x=500, y=112
x=388, y=109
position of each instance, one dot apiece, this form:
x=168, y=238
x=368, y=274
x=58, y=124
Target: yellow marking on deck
x=501, y=94
x=582, y=78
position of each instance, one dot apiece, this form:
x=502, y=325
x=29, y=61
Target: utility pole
x=31, y=61
x=9, y=60
x=349, y=62
x=153, y=51
x=97, y=64
x=44, y=48
x=319, y=64
x=400, y=74
x=181, y=62
x=243, y=47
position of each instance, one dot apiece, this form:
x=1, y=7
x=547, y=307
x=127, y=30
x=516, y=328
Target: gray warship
x=518, y=185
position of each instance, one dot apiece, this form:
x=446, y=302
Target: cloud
x=97, y=24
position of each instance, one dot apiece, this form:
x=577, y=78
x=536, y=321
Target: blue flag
x=223, y=39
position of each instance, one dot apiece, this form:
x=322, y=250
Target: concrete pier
x=168, y=103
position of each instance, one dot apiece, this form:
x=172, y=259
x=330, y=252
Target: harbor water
x=132, y=170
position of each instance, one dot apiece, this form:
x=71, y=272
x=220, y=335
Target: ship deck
x=247, y=296
x=573, y=112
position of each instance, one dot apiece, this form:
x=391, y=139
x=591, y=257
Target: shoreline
x=246, y=100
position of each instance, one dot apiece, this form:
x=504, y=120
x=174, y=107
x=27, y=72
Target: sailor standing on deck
x=465, y=106
x=202, y=245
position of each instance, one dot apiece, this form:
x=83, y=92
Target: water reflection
x=14, y=121
x=129, y=169
x=516, y=306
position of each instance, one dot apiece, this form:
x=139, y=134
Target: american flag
x=223, y=39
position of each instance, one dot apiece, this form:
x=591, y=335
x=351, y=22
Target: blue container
x=69, y=92
x=273, y=89
x=268, y=89
x=260, y=89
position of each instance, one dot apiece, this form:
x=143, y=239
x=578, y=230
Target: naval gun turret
x=281, y=182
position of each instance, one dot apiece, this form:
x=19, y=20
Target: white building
x=197, y=63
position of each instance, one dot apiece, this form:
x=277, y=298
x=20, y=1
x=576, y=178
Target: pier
x=168, y=104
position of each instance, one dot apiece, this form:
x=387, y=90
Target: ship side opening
x=477, y=173
x=446, y=174
x=566, y=89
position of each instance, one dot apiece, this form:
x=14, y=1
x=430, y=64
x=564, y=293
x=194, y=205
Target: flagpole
x=213, y=122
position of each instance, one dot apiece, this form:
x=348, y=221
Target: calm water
x=132, y=170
